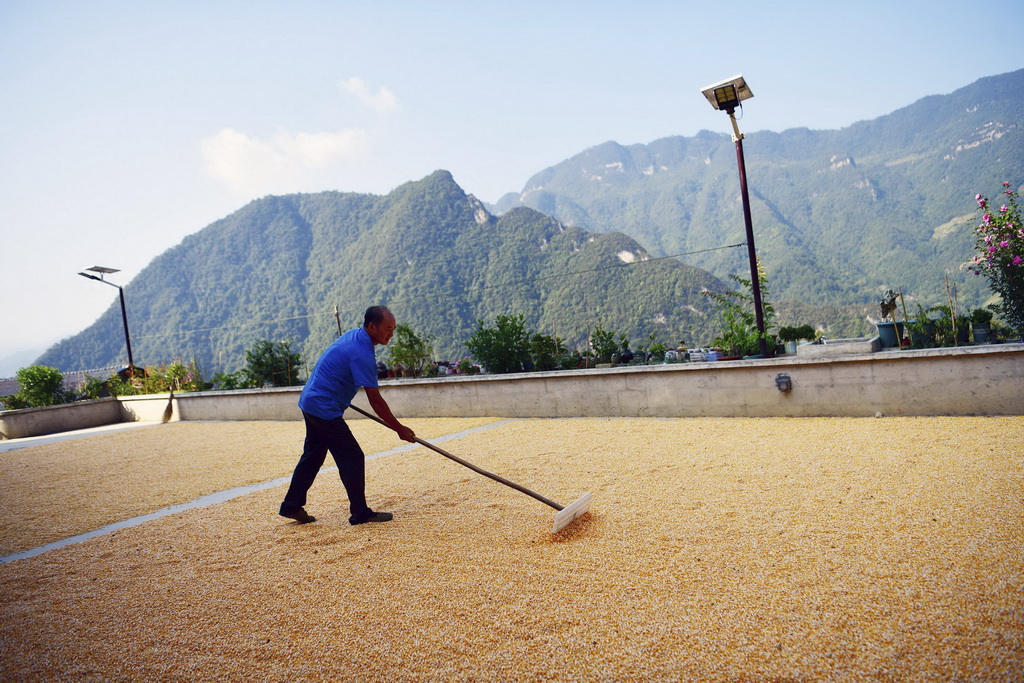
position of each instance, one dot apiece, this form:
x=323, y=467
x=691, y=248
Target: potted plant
x=921, y=329
x=981, y=325
x=788, y=336
x=890, y=332
x=603, y=344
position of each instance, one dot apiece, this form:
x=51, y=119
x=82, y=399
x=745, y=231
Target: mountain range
x=839, y=216
x=625, y=237
x=301, y=268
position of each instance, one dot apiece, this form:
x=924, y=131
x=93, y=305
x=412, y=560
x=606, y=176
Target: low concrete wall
x=244, y=404
x=150, y=408
x=18, y=424
x=981, y=380
x=984, y=380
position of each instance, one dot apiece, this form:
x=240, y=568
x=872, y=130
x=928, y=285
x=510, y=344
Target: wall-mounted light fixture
x=783, y=383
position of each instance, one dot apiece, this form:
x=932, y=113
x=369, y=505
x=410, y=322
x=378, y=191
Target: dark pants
x=334, y=436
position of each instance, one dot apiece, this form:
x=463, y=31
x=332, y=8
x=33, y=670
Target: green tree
x=603, y=343
x=1000, y=258
x=546, y=350
x=739, y=321
x=410, y=350
x=501, y=348
x=230, y=380
x=272, y=363
x=40, y=386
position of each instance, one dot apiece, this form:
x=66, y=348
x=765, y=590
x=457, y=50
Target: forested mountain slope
x=277, y=268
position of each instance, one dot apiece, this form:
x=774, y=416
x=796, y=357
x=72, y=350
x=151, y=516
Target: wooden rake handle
x=478, y=470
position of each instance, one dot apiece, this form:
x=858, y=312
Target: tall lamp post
x=124, y=314
x=726, y=96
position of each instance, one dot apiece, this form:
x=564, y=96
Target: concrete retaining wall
x=981, y=380
x=985, y=380
x=17, y=424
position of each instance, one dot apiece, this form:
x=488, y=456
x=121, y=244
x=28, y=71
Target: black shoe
x=298, y=514
x=371, y=516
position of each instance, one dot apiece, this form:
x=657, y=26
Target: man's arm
x=380, y=406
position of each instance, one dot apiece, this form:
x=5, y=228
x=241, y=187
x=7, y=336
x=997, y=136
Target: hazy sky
x=127, y=125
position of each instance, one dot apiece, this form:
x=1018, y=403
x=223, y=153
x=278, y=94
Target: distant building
x=73, y=381
x=9, y=387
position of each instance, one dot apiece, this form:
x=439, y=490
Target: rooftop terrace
x=715, y=549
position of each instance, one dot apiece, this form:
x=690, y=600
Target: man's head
x=379, y=323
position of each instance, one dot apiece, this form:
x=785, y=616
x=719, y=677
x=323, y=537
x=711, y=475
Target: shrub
x=409, y=350
x=788, y=334
x=501, y=348
x=981, y=316
x=739, y=321
x=1000, y=258
x=546, y=351
x=273, y=364
x=229, y=381
x=94, y=387
x=603, y=343
x=40, y=386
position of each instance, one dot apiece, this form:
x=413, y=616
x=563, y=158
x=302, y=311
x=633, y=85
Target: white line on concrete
x=223, y=496
x=26, y=441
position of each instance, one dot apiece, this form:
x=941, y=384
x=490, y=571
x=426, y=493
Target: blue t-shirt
x=346, y=365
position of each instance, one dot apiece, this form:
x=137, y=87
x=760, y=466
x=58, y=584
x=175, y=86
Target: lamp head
x=102, y=271
x=726, y=95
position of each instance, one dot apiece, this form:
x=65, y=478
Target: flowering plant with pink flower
x=1000, y=257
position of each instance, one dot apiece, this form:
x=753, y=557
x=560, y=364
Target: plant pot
x=982, y=333
x=791, y=347
x=890, y=333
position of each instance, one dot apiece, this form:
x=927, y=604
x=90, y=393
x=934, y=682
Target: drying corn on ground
x=715, y=549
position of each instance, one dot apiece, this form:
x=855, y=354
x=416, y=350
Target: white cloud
x=287, y=162
x=383, y=100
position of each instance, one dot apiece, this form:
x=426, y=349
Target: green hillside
x=838, y=216
x=277, y=268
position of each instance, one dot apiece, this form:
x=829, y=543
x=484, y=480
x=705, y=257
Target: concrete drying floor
x=716, y=549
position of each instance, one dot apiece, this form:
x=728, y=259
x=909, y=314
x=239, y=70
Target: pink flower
x=992, y=250
x=1004, y=244
x=986, y=218
x=1006, y=184
x=988, y=239
x=1003, y=208
x=1017, y=260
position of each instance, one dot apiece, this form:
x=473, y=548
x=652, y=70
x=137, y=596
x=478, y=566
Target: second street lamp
x=726, y=96
x=124, y=313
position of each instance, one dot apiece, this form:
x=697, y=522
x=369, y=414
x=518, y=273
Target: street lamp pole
x=726, y=96
x=755, y=280
x=124, y=312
